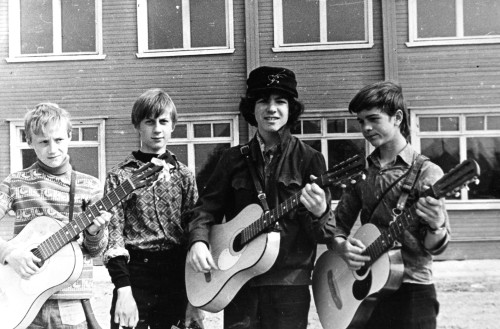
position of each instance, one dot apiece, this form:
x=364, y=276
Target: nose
x=52, y=146
x=272, y=106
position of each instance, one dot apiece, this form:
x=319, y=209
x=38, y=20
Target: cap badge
x=274, y=78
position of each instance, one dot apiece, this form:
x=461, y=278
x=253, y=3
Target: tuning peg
x=457, y=194
x=363, y=176
x=343, y=185
x=467, y=187
x=353, y=181
x=476, y=181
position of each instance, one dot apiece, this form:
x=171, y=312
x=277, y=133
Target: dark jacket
x=231, y=188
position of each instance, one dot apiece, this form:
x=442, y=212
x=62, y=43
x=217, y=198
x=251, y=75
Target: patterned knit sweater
x=33, y=192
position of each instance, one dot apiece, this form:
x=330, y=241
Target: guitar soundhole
x=237, y=245
x=361, y=288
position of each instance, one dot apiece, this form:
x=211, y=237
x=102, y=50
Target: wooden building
x=94, y=57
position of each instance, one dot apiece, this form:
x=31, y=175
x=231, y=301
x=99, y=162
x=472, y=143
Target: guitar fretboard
x=81, y=221
x=389, y=236
x=268, y=219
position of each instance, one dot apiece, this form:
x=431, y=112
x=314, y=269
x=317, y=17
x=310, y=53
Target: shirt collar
x=169, y=158
x=406, y=155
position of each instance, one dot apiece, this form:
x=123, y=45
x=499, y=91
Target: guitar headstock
x=464, y=173
x=346, y=172
x=145, y=175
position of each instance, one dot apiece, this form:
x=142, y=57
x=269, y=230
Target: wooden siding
x=327, y=79
x=204, y=84
x=447, y=75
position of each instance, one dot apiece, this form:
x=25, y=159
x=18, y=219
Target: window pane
x=335, y=126
x=442, y=151
x=36, y=27
x=202, y=130
x=180, y=152
x=340, y=150
x=180, y=131
x=208, y=23
x=353, y=126
x=206, y=158
x=315, y=144
x=300, y=21
x=23, y=136
x=165, y=24
x=485, y=151
x=85, y=159
x=89, y=134
x=428, y=124
x=29, y=157
x=449, y=124
x=346, y=20
x=78, y=26
x=474, y=123
x=493, y=122
x=222, y=130
x=75, y=134
x=436, y=18
x=312, y=126
x=481, y=17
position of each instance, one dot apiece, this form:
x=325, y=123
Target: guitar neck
x=269, y=218
x=81, y=221
x=396, y=229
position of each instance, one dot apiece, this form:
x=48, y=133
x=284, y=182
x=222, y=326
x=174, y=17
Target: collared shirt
x=363, y=199
x=150, y=218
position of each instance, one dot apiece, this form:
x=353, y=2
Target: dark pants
x=268, y=307
x=158, y=287
x=412, y=306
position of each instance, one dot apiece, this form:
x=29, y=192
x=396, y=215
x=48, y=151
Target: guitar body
x=20, y=299
x=343, y=297
x=212, y=292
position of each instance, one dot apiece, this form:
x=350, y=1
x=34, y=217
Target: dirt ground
x=468, y=291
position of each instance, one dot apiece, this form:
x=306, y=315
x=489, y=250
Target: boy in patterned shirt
x=146, y=253
x=43, y=189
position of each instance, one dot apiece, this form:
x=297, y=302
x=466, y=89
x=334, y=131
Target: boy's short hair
x=42, y=116
x=385, y=95
x=151, y=104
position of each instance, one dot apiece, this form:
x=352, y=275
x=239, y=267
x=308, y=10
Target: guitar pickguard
x=227, y=260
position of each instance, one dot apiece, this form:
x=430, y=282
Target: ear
x=398, y=117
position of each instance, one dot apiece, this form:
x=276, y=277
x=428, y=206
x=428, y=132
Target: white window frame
x=280, y=46
x=462, y=134
x=187, y=50
x=324, y=115
x=17, y=145
x=190, y=119
x=459, y=39
x=15, y=55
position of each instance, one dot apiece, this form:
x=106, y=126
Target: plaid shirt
x=151, y=218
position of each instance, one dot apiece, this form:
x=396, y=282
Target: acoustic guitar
x=61, y=257
x=243, y=248
x=344, y=298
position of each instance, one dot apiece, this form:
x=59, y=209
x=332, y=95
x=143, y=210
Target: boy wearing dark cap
x=280, y=297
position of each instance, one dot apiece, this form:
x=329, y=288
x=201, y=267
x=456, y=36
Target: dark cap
x=266, y=78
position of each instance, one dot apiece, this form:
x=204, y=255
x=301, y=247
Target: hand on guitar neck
x=312, y=197
x=26, y=264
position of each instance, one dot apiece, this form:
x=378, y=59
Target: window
x=86, y=149
x=444, y=22
x=450, y=137
x=322, y=24
x=54, y=30
x=199, y=143
x=184, y=27
x=337, y=136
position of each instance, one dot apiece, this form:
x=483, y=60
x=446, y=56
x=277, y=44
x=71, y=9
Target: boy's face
x=271, y=113
x=51, y=147
x=155, y=133
x=378, y=127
